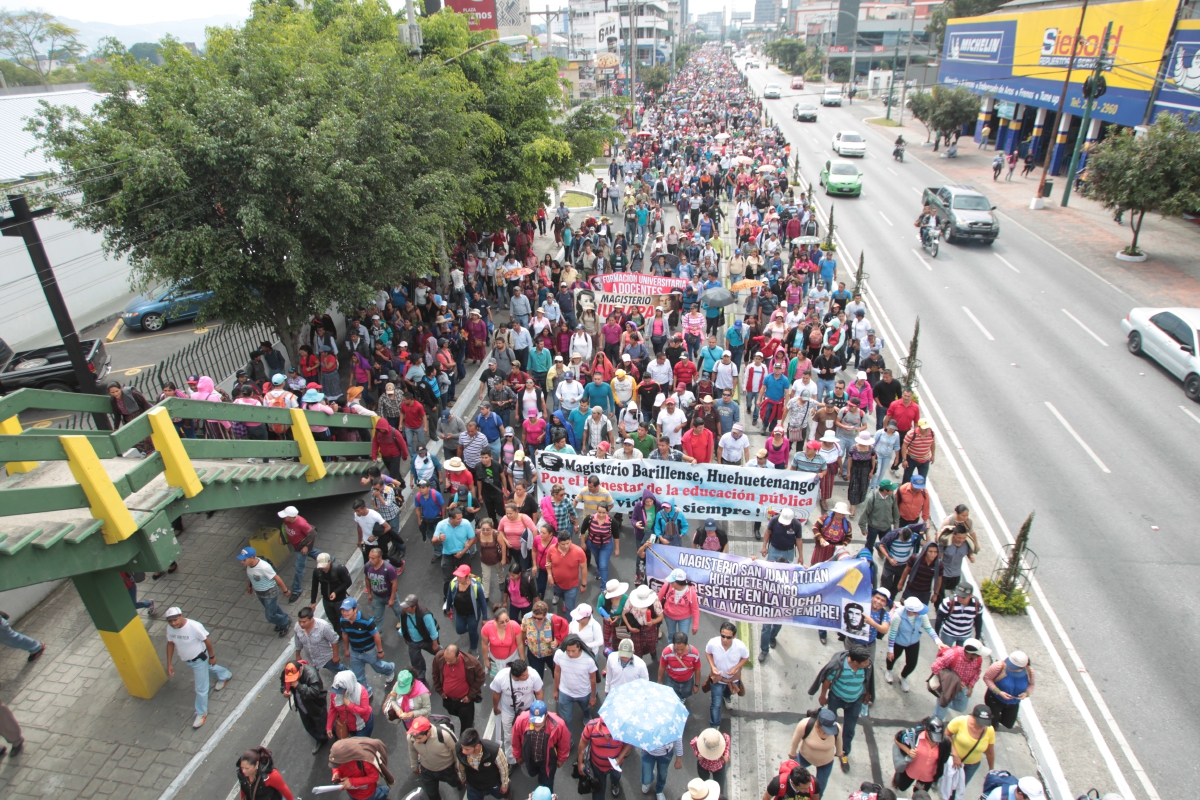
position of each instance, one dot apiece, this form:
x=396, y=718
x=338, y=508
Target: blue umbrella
x=644, y=714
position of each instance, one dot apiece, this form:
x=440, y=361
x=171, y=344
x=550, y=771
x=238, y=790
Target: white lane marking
x=1190, y=414
x=283, y=714
x=979, y=324
x=917, y=191
x=885, y=219
x=923, y=261
x=1085, y=327
x=897, y=174
x=1078, y=263
x=1114, y=769
x=1041, y=740
x=815, y=140
x=1077, y=437
x=1005, y=260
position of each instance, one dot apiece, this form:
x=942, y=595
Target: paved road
x=1023, y=348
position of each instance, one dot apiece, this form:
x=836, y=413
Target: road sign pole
x=1087, y=116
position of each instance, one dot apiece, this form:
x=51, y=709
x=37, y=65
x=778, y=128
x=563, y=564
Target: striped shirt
x=920, y=447
x=958, y=619
x=318, y=643
x=600, y=533
x=472, y=447
x=680, y=669
x=361, y=633
x=849, y=684
x=902, y=550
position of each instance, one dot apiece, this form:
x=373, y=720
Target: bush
x=999, y=602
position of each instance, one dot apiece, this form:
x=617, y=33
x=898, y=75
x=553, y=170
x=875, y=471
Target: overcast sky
x=129, y=12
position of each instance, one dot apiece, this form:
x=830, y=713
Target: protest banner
x=620, y=291
x=699, y=491
x=830, y=596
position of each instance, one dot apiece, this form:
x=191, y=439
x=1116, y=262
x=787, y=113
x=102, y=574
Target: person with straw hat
x=712, y=751
x=642, y=616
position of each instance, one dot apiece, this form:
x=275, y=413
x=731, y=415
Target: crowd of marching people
x=532, y=616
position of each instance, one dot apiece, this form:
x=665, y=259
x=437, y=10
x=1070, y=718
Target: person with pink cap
x=467, y=603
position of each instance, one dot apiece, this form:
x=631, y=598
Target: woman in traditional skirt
x=862, y=466
x=331, y=382
x=831, y=531
x=476, y=330
x=832, y=453
x=643, y=614
x=611, y=604
x=205, y=390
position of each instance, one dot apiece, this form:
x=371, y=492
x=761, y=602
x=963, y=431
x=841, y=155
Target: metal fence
x=218, y=354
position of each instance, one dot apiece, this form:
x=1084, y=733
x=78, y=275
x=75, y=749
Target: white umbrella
x=744, y=160
x=767, y=168
x=720, y=137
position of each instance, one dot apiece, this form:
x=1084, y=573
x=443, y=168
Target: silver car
x=1169, y=336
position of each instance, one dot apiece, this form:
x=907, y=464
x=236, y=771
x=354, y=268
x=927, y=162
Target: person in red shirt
x=698, y=442
x=302, y=538
x=679, y=667
x=685, y=372
x=567, y=565
x=258, y=778
x=388, y=446
x=354, y=767
x=414, y=422
x=905, y=411
x=603, y=748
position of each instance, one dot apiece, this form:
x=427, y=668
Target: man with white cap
x=589, y=630
x=785, y=538
x=967, y=664
x=671, y=422
x=735, y=445
x=623, y=667
x=569, y=392
x=725, y=372
x=1008, y=682
x=302, y=538
x=1026, y=788
x=190, y=640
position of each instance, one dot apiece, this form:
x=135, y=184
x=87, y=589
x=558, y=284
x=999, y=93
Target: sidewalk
x=1085, y=230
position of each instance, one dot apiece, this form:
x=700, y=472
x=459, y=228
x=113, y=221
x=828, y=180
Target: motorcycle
x=929, y=237
x=898, y=153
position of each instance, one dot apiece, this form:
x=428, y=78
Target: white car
x=849, y=143
x=1169, y=336
x=771, y=91
x=831, y=97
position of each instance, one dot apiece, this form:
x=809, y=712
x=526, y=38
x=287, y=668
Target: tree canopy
x=1158, y=172
x=944, y=109
x=307, y=159
x=792, y=55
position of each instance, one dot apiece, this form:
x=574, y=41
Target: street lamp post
x=511, y=41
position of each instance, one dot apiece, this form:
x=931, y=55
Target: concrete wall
x=19, y=602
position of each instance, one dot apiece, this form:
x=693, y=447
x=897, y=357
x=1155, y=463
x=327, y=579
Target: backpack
x=785, y=769
x=273, y=400
x=997, y=778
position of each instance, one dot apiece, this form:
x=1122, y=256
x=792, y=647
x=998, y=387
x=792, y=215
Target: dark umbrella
x=716, y=297
x=671, y=260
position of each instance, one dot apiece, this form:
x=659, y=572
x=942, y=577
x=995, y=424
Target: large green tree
x=789, y=54
x=308, y=159
x=36, y=40
x=944, y=109
x=304, y=161
x=1158, y=172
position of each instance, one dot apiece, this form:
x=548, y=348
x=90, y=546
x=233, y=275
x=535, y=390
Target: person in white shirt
x=725, y=372
x=627, y=451
x=514, y=689
x=623, y=667
x=671, y=422
x=574, y=679
x=569, y=392
x=659, y=370
x=734, y=445
x=189, y=640
x=581, y=342
x=264, y=583
x=366, y=519
x=726, y=655
x=589, y=630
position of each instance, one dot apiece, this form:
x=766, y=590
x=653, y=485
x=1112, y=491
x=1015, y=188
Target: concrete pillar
x=1001, y=132
x=1059, y=156
x=1014, y=130
x=1035, y=141
x=985, y=119
x=117, y=621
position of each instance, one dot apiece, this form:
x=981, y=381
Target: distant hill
x=187, y=30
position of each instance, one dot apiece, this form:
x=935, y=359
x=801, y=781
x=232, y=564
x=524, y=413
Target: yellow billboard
x=1044, y=40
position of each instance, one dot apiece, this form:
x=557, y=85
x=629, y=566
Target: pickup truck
x=963, y=213
x=49, y=367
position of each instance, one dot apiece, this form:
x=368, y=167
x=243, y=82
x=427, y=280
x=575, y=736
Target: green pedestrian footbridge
x=73, y=507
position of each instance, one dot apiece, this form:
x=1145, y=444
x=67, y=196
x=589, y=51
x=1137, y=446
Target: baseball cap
x=982, y=715
x=290, y=511
x=420, y=725
x=247, y=552
x=349, y=604
x=1030, y=786
x=463, y=571
x=277, y=379
x=173, y=611
x=543, y=792
x=625, y=648
x=828, y=721
x=676, y=575
x=537, y=711
x=411, y=602
x=964, y=590
x=710, y=524
x=918, y=481
x=913, y=606
x=883, y=592
x=976, y=648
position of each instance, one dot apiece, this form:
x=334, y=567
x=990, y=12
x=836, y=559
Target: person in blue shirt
x=491, y=425
x=429, y=505
x=577, y=418
x=710, y=354
x=735, y=341
x=771, y=397
x=643, y=219
x=456, y=537
x=828, y=267
x=599, y=393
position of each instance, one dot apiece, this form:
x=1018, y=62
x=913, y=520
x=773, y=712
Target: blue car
x=168, y=303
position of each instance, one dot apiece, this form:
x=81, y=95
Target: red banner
x=482, y=13
x=838, y=48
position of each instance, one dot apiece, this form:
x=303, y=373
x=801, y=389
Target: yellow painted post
x=177, y=466
x=12, y=427
x=135, y=658
x=106, y=503
x=308, y=446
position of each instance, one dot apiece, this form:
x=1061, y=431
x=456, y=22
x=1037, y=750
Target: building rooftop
x=20, y=154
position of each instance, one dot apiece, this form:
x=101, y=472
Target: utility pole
x=1092, y=93
x=22, y=223
x=1039, y=200
x=891, y=101
x=912, y=28
x=411, y=33
x=633, y=62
